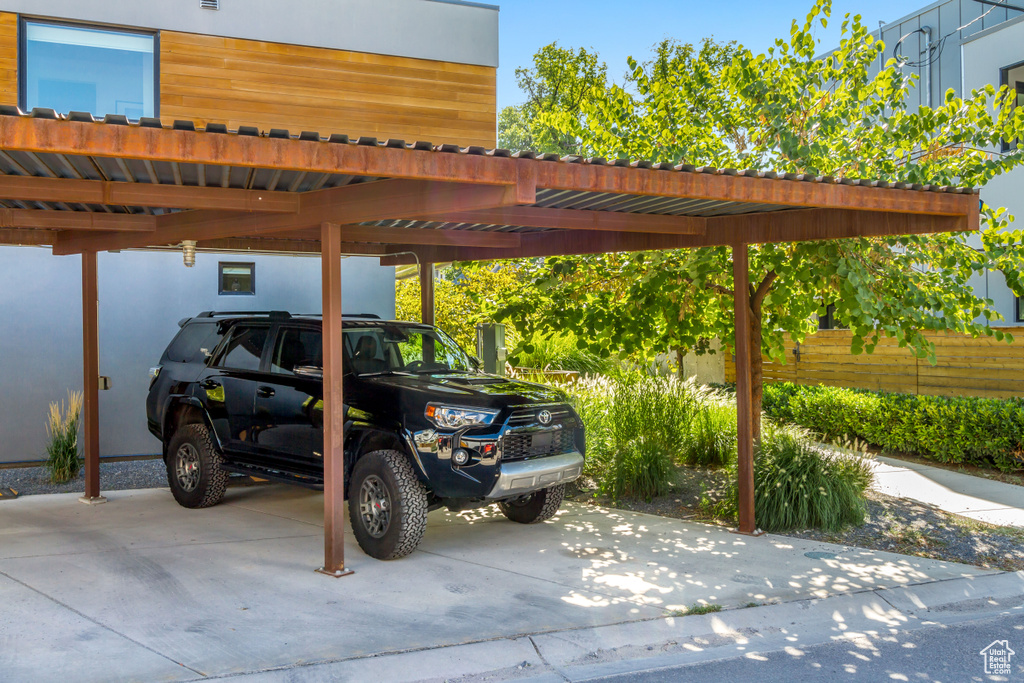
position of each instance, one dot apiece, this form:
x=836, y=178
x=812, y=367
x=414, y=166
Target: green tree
x=788, y=111
x=463, y=296
x=560, y=81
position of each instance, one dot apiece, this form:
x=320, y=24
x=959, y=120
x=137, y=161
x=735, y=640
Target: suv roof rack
x=372, y=316
x=271, y=314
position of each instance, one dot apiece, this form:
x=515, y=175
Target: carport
x=82, y=186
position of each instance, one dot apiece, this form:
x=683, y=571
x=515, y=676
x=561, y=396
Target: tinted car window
x=296, y=347
x=245, y=347
x=194, y=343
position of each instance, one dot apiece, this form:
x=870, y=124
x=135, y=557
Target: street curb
x=652, y=644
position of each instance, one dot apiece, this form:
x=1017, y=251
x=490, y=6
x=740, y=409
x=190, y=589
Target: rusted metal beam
x=744, y=398
x=113, y=193
x=91, y=380
x=68, y=137
x=362, y=202
x=334, y=414
x=76, y=220
x=779, y=226
x=427, y=293
x=570, y=219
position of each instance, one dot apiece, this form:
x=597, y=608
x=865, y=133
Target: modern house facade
x=360, y=68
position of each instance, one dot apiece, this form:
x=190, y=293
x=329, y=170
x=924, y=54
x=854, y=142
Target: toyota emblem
x=544, y=416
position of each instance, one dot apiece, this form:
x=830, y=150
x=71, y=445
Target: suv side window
x=244, y=348
x=296, y=347
x=194, y=343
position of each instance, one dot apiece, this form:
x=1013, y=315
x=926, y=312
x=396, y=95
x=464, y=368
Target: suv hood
x=471, y=389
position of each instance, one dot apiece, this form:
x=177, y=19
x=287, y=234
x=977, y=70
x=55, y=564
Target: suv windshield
x=394, y=348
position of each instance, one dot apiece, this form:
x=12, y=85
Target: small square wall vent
x=209, y=4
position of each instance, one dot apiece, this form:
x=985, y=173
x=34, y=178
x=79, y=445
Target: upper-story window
x=1013, y=76
x=80, y=68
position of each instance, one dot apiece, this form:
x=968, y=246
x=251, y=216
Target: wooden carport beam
x=76, y=220
x=777, y=226
x=427, y=293
x=113, y=193
x=362, y=202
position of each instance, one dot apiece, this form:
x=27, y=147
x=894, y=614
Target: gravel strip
x=114, y=476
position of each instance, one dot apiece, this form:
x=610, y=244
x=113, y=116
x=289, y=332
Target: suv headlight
x=454, y=417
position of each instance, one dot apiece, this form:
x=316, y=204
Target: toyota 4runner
x=243, y=393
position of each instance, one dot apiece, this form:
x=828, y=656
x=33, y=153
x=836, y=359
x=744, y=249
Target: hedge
x=981, y=431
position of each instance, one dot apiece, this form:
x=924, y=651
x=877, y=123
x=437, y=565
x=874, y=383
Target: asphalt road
x=938, y=654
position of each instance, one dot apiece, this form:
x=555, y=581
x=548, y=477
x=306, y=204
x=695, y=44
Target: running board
x=309, y=482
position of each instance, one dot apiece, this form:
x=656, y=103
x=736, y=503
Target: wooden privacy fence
x=964, y=367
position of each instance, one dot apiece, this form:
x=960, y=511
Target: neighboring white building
x=963, y=45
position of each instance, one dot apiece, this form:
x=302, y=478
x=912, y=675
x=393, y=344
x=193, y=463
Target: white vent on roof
x=209, y=4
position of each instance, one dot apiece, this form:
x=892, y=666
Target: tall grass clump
x=62, y=459
x=710, y=438
x=560, y=352
x=636, y=426
x=801, y=486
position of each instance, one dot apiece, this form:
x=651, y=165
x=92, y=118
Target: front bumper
x=520, y=478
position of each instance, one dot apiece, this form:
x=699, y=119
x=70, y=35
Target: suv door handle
x=210, y=384
x=264, y=392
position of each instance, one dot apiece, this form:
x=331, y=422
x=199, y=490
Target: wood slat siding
x=964, y=366
x=271, y=85
x=8, y=58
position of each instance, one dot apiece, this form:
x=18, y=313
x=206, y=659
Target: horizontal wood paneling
x=964, y=366
x=270, y=85
x=8, y=58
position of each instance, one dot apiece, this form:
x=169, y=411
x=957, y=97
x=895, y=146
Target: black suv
x=243, y=393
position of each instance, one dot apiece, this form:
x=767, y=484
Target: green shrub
x=982, y=431
x=62, y=459
x=800, y=486
x=636, y=426
x=710, y=440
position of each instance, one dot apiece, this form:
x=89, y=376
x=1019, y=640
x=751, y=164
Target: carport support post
x=744, y=399
x=334, y=416
x=90, y=380
x=427, y=293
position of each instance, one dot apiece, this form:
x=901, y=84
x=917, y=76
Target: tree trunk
x=756, y=375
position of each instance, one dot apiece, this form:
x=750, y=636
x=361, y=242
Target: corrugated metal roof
x=22, y=163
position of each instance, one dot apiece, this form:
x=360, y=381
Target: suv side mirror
x=476, y=363
x=309, y=371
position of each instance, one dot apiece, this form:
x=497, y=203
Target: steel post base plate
x=92, y=501
x=336, y=574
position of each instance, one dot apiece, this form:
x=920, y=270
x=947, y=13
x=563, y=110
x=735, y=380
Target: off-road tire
x=539, y=507
x=212, y=479
x=407, y=507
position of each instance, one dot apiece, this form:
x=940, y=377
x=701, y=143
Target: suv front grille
x=525, y=445
x=528, y=416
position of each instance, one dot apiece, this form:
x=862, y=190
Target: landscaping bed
x=897, y=525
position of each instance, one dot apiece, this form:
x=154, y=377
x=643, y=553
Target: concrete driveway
x=142, y=589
